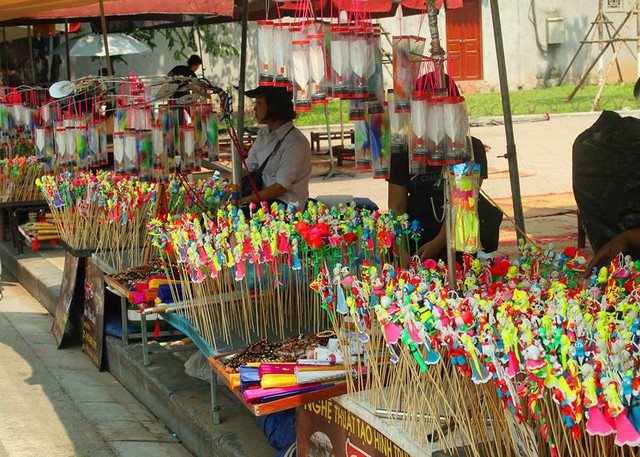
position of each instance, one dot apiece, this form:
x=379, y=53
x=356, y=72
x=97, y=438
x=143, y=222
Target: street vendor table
x=224, y=350
x=14, y=211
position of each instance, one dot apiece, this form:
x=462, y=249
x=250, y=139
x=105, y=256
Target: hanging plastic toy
x=212, y=136
x=282, y=53
x=265, y=53
x=361, y=145
x=407, y=54
x=418, y=127
x=93, y=134
x=131, y=151
x=399, y=122
x=40, y=142
x=188, y=144
x=463, y=182
x=380, y=143
x=317, y=66
x=82, y=147
x=118, y=152
x=159, y=157
x=61, y=144
x=359, y=56
x=340, y=61
x=435, y=130
x=300, y=70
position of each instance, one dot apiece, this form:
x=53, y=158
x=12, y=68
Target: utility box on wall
x=555, y=30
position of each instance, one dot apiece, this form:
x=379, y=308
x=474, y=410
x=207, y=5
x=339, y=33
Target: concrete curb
x=36, y=274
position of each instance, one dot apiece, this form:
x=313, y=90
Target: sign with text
x=93, y=322
x=324, y=428
x=72, y=265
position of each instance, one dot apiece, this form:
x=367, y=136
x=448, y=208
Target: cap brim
x=253, y=93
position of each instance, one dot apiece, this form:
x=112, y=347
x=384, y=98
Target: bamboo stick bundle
x=18, y=178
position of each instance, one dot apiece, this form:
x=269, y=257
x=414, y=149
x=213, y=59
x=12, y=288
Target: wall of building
x=530, y=61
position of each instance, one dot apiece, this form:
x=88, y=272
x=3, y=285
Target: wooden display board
x=326, y=428
x=93, y=322
x=72, y=275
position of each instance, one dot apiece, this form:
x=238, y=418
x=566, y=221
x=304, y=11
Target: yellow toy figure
x=463, y=191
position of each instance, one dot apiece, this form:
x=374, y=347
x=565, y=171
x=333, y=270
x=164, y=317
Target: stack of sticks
x=250, y=277
x=519, y=357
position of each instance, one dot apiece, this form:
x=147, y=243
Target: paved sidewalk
x=56, y=403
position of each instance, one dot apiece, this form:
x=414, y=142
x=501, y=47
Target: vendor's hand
x=429, y=250
x=606, y=253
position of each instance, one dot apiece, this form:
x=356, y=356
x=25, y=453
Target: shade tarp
x=377, y=7
x=140, y=7
x=11, y=9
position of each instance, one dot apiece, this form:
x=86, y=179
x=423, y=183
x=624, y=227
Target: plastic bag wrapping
x=606, y=177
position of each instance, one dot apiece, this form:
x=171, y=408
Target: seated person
x=606, y=186
x=281, y=150
x=422, y=198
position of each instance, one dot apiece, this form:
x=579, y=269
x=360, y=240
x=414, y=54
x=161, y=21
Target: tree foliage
x=184, y=41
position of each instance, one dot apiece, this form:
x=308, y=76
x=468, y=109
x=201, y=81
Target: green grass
x=537, y=101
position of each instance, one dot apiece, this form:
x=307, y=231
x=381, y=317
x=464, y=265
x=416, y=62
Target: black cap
x=268, y=91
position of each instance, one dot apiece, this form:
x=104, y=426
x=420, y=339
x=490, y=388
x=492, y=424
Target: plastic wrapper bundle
x=170, y=120
x=458, y=147
x=362, y=63
x=361, y=145
x=82, y=146
x=282, y=54
x=197, y=122
x=70, y=152
x=375, y=78
x=399, y=122
x=357, y=110
x=131, y=152
x=463, y=185
x=407, y=55
x=380, y=142
x=317, y=64
x=188, y=158
x=93, y=136
x=145, y=155
x=419, y=137
x=340, y=62
x=45, y=147
x=300, y=68
x=266, y=66
x=118, y=152
x=159, y=156
x=212, y=147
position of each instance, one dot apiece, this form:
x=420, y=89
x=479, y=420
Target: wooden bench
x=342, y=154
x=316, y=137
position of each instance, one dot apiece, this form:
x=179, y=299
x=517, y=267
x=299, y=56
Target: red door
x=464, y=41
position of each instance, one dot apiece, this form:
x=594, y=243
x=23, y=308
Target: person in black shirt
x=422, y=198
x=10, y=77
x=188, y=70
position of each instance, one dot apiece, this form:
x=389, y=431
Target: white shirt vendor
x=289, y=166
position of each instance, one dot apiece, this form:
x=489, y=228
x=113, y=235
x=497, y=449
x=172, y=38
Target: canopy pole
x=197, y=26
x=235, y=160
x=32, y=64
x=511, y=154
x=4, y=45
x=66, y=48
x=105, y=38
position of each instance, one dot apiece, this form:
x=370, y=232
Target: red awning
x=138, y=7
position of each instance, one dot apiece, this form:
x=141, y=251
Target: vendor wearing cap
x=281, y=147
